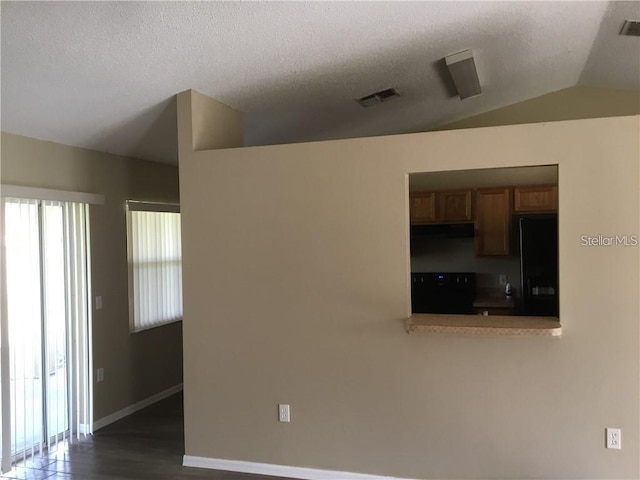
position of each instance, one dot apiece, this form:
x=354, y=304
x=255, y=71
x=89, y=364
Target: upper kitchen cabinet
x=451, y=206
x=535, y=199
x=493, y=221
x=422, y=207
x=454, y=206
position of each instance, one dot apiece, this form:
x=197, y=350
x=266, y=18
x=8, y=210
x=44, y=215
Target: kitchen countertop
x=480, y=325
x=493, y=298
x=494, y=302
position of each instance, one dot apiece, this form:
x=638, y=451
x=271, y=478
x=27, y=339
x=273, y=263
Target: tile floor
x=146, y=445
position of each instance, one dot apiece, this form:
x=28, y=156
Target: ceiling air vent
x=631, y=29
x=378, y=97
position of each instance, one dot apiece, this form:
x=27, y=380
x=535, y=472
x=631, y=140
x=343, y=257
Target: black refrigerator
x=539, y=264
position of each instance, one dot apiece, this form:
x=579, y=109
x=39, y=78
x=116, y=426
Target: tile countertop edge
x=479, y=325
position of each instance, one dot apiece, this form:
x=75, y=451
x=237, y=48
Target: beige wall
x=568, y=104
x=296, y=284
x=139, y=365
x=214, y=124
x=488, y=177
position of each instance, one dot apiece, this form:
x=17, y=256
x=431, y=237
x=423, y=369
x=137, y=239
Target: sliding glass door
x=56, y=385
x=47, y=309
x=24, y=306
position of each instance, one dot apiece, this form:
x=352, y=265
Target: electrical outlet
x=284, y=413
x=503, y=279
x=100, y=374
x=614, y=438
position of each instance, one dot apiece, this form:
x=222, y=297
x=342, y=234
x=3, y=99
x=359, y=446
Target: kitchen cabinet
x=422, y=207
x=493, y=221
x=450, y=206
x=535, y=199
x=454, y=206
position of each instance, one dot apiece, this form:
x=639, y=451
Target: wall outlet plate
x=614, y=438
x=284, y=412
x=502, y=278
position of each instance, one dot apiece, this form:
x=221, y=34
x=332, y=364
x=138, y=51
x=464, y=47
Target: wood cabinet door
x=535, y=198
x=455, y=206
x=422, y=207
x=493, y=221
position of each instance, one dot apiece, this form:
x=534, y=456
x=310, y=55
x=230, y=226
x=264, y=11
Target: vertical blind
x=155, y=264
x=24, y=309
x=78, y=307
x=47, y=326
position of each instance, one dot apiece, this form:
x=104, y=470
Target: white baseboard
x=277, y=470
x=125, y=412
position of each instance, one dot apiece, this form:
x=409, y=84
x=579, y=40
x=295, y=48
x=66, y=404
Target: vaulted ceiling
x=102, y=75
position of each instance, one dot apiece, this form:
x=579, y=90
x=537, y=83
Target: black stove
x=443, y=292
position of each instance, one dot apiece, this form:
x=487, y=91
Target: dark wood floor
x=146, y=445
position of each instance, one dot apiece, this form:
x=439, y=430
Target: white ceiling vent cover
x=630, y=29
x=378, y=97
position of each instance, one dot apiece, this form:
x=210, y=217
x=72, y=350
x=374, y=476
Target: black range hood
x=444, y=230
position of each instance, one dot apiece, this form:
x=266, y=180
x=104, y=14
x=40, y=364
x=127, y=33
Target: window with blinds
x=155, y=264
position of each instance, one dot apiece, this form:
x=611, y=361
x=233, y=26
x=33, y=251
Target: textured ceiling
x=102, y=75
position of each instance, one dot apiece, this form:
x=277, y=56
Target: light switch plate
x=98, y=303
